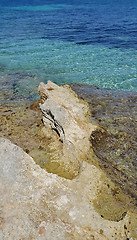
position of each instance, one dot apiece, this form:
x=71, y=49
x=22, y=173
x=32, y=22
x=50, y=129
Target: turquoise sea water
x=67, y=41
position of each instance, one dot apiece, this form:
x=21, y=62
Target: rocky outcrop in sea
x=59, y=183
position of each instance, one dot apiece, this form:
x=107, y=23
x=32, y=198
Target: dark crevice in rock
x=57, y=127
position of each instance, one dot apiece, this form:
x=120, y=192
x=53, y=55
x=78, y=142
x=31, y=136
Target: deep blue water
x=92, y=42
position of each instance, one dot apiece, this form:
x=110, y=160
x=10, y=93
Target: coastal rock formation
x=68, y=117
x=35, y=204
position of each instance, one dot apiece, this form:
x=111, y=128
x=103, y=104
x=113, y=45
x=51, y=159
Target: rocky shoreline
x=76, y=199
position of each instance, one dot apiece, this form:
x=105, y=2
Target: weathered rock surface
x=35, y=204
x=68, y=115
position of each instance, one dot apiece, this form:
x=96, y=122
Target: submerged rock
x=35, y=204
x=115, y=141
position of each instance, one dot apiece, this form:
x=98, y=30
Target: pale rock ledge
x=69, y=116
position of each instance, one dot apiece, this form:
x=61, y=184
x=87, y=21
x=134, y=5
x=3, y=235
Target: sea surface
x=67, y=41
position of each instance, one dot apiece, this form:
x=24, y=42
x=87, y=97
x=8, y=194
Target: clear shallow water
x=67, y=41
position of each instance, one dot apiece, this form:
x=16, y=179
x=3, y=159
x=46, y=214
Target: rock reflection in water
x=115, y=144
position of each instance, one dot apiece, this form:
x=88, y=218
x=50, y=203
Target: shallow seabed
x=115, y=143
x=27, y=63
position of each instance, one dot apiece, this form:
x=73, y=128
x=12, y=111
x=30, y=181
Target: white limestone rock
x=36, y=205
x=64, y=112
